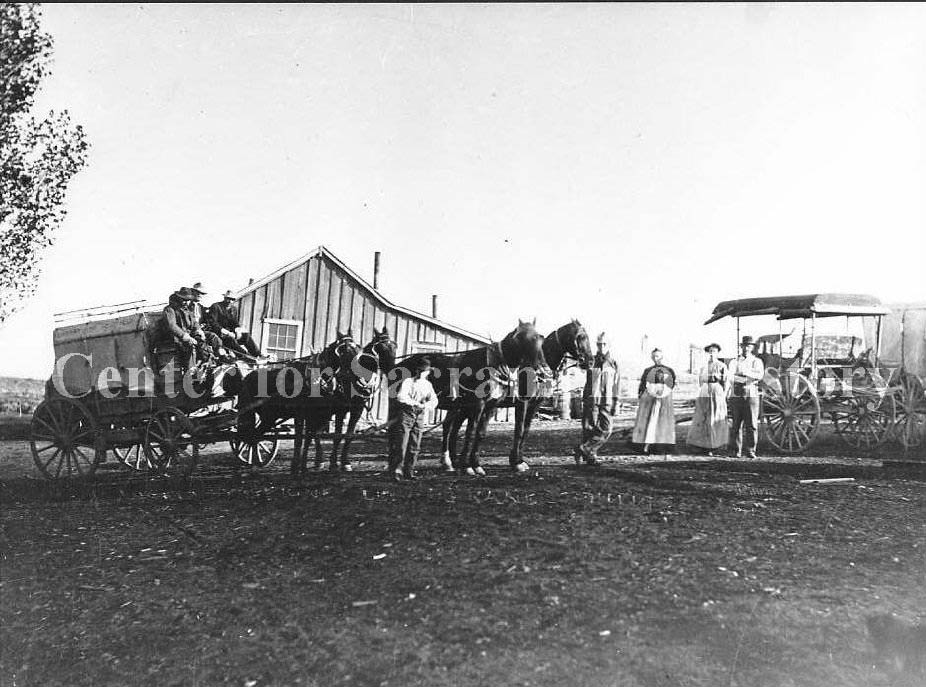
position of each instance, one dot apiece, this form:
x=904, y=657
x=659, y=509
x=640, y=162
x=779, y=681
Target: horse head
x=377, y=356
x=574, y=343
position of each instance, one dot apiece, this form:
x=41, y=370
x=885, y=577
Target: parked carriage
x=843, y=380
x=105, y=397
x=903, y=354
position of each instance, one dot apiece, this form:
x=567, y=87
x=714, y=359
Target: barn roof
x=322, y=252
x=809, y=305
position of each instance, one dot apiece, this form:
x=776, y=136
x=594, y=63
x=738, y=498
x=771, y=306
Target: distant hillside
x=20, y=395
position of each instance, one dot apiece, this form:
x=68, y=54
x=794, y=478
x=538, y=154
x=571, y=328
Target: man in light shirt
x=746, y=372
x=407, y=410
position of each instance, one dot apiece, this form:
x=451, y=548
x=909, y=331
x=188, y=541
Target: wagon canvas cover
x=808, y=305
x=903, y=337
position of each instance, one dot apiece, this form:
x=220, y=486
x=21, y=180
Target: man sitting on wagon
x=222, y=318
x=176, y=328
x=199, y=322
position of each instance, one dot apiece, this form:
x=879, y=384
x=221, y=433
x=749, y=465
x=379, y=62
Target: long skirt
x=709, y=428
x=655, y=422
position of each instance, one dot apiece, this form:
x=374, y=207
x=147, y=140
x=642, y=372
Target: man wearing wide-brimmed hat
x=745, y=372
x=223, y=320
x=599, y=403
x=414, y=397
x=176, y=327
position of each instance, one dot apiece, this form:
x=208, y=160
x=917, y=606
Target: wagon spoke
x=53, y=456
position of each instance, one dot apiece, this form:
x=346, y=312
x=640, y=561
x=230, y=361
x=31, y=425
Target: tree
x=38, y=157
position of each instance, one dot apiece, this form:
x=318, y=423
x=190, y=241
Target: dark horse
x=351, y=399
x=293, y=389
x=470, y=384
x=567, y=343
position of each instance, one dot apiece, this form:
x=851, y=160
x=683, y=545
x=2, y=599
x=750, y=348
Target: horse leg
x=319, y=451
x=336, y=441
x=468, y=440
x=481, y=421
x=297, y=462
x=514, y=458
x=352, y=420
x=448, y=438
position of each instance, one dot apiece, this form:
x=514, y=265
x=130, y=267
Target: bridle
x=568, y=355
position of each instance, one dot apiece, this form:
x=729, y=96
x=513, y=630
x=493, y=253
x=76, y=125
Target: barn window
x=283, y=338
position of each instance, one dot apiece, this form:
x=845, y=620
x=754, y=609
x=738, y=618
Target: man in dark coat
x=176, y=327
x=222, y=318
x=599, y=403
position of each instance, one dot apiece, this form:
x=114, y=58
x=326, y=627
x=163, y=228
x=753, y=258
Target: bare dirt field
x=644, y=571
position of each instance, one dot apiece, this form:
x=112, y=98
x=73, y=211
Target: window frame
x=265, y=334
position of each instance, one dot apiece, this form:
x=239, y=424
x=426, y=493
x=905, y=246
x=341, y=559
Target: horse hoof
x=479, y=471
x=521, y=467
x=347, y=467
x=470, y=472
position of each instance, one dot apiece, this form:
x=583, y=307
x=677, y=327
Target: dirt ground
x=644, y=571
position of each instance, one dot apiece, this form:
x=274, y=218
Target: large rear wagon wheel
x=63, y=439
x=170, y=445
x=910, y=419
x=790, y=412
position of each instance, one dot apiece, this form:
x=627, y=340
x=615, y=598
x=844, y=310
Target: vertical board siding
x=334, y=299
x=321, y=307
x=401, y=335
x=346, y=307
x=390, y=324
x=309, y=308
x=275, y=298
x=369, y=311
x=356, y=311
x=293, y=300
x=257, y=330
x=245, y=310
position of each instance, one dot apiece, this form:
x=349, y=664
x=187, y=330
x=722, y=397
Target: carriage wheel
x=864, y=421
x=253, y=447
x=790, y=412
x=63, y=439
x=910, y=421
x=169, y=443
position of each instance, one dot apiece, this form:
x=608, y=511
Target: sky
x=628, y=165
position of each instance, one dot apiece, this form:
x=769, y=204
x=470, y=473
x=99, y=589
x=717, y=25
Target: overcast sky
x=629, y=165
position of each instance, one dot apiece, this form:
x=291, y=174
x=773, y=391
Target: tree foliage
x=38, y=157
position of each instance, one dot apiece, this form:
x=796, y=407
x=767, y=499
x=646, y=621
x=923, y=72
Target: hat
x=230, y=294
x=423, y=364
x=748, y=341
x=603, y=338
x=715, y=346
x=185, y=292
x=199, y=288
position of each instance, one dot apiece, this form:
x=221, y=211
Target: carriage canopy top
x=798, y=307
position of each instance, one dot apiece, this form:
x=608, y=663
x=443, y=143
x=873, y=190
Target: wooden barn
x=299, y=308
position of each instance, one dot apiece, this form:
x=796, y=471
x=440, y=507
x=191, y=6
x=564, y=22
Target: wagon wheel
x=169, y=445
x=910, y=420
x=790, y=412
x=865, y=420
x=63, y=438
x=253, y=447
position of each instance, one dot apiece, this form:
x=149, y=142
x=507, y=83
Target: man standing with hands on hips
x=414, y=397
x=746, y=371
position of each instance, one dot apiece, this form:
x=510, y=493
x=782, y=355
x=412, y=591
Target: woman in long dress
x=654, y=429
x=709, y=430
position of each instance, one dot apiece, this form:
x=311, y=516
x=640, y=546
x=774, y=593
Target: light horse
x=470, y=384
x=360, y=382
x=293, y=389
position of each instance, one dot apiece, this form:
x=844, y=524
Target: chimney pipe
x=434, y=306
x=376, y=270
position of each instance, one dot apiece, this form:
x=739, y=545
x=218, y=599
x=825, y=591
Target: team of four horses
x=340, y=383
